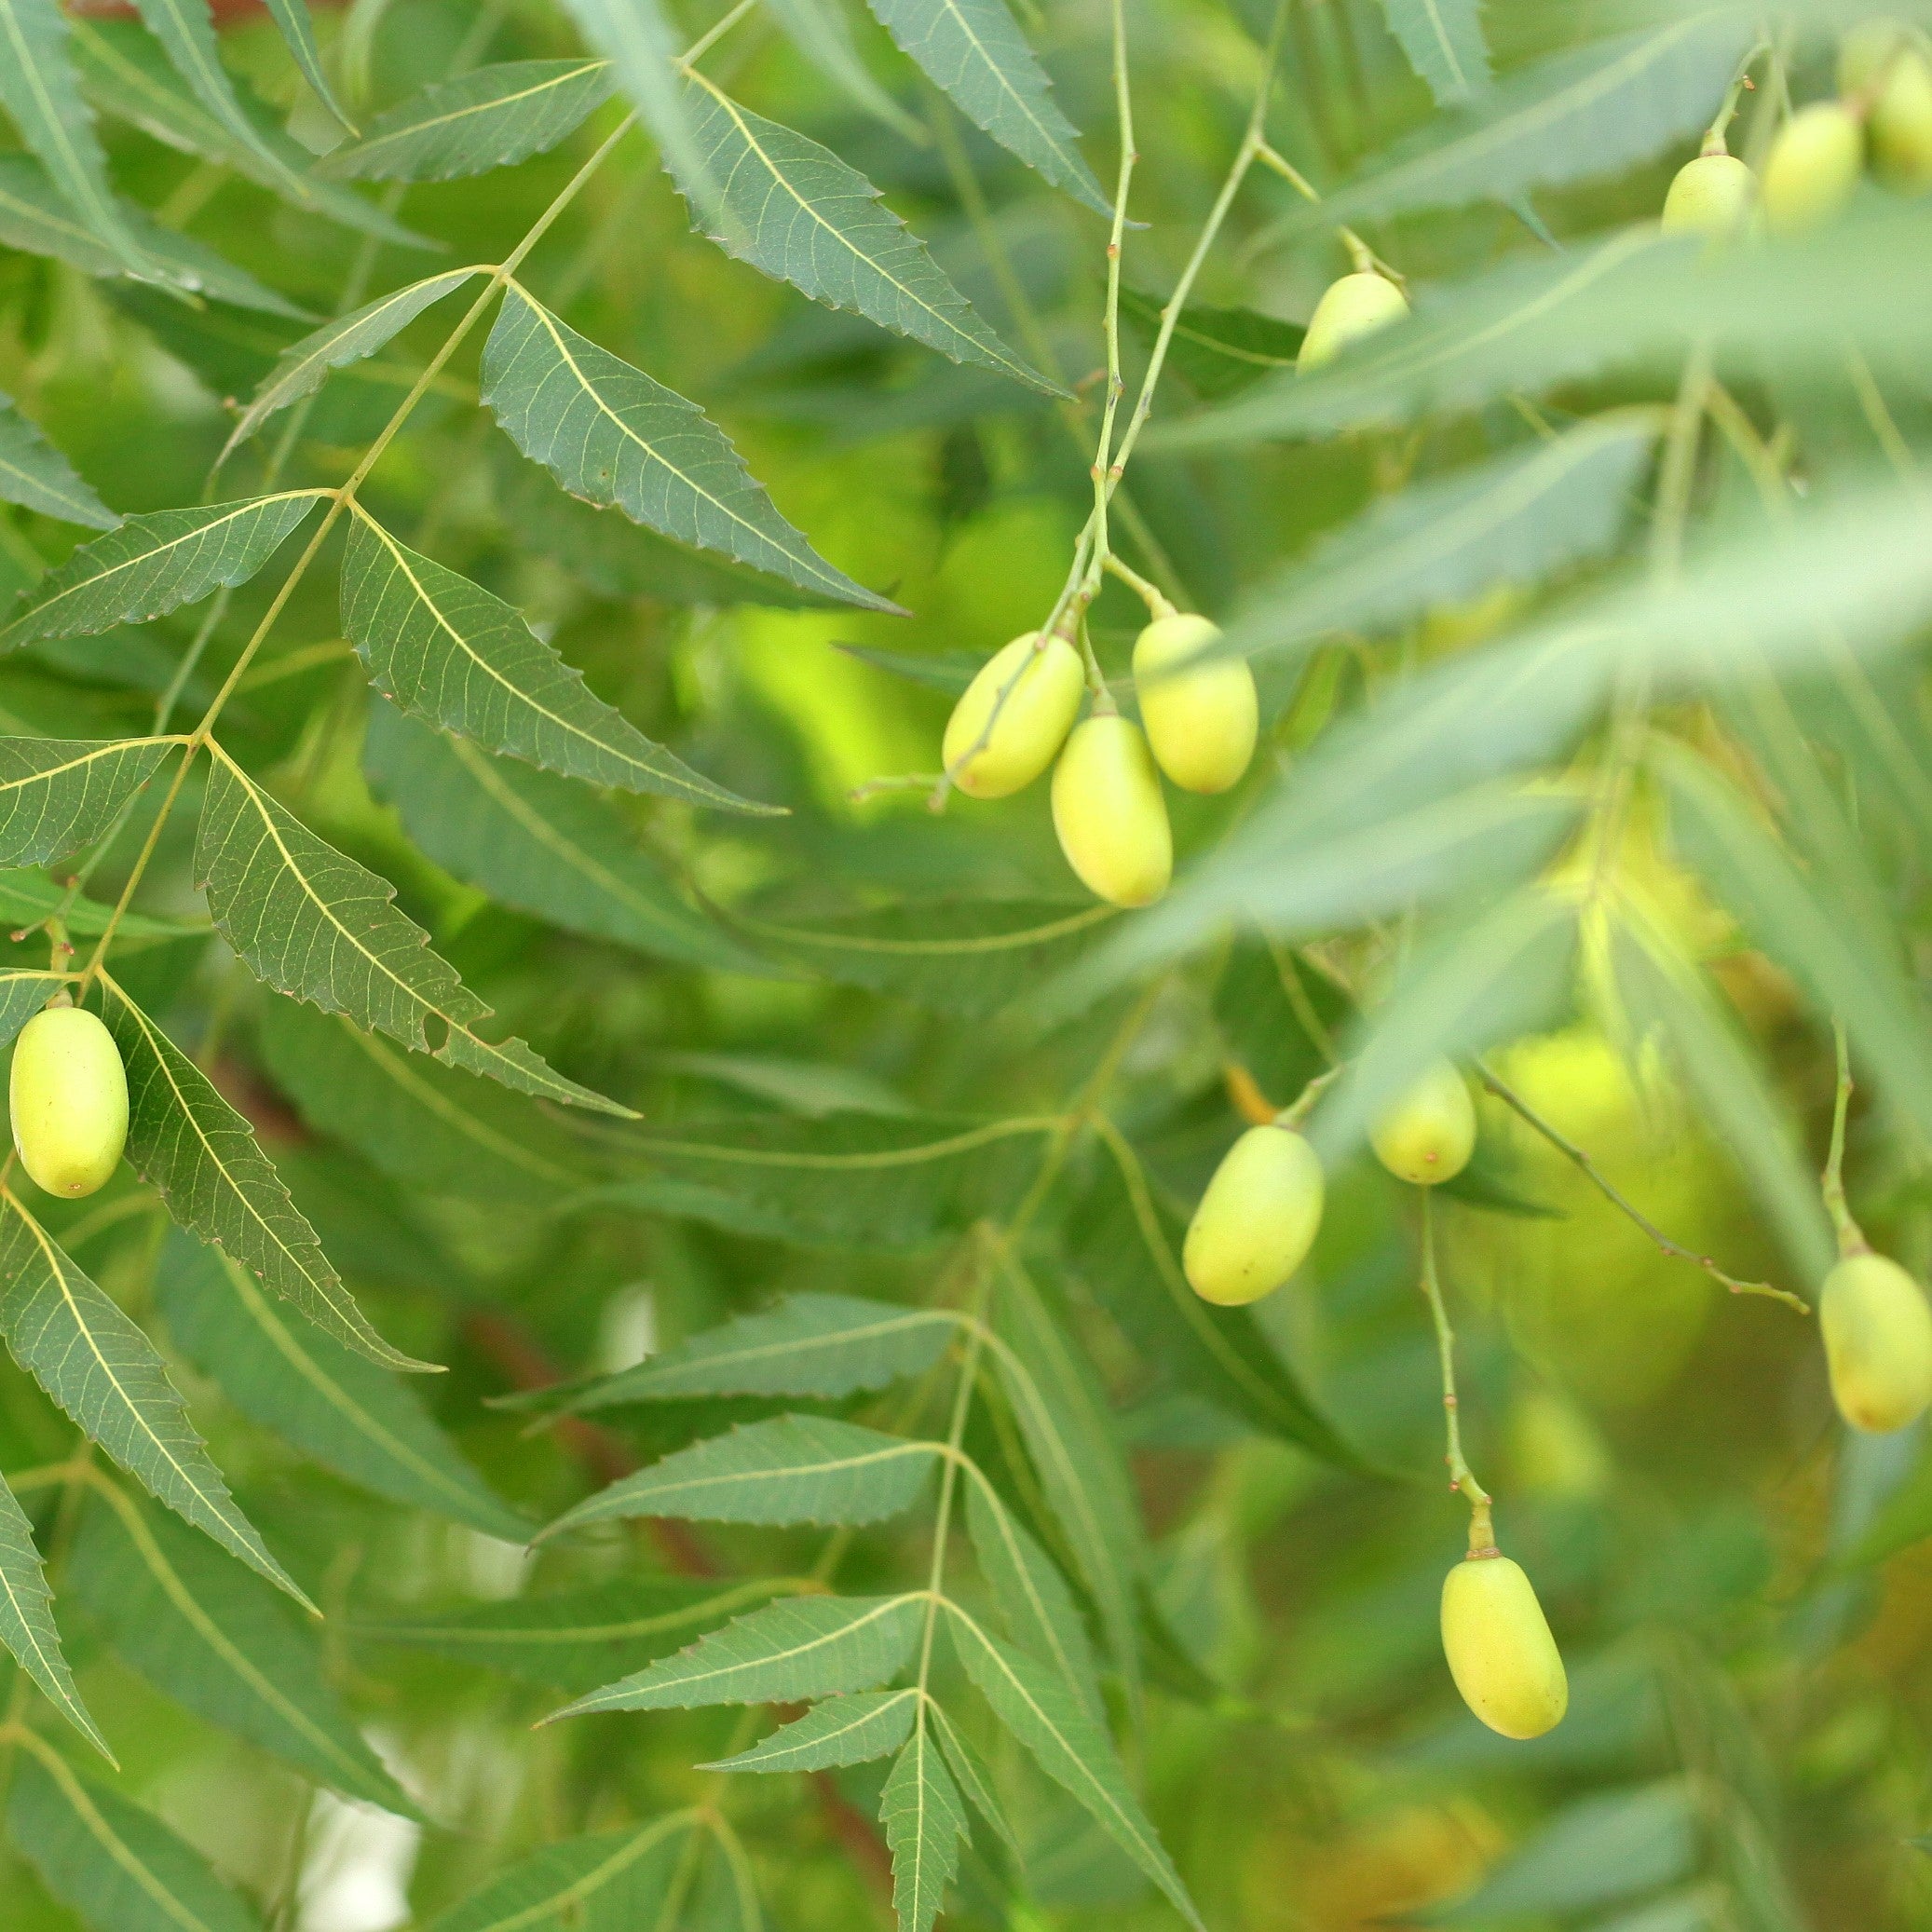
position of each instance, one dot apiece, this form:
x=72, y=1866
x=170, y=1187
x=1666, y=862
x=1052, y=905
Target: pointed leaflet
x=852, y=1729
x=219, y=1642
x=1068, y=1746
x=37, y=89
x=602, y=1884
x=809, y=1647
x=576, y=1639
x=335, y=1407
x=105, y=1373
x=791, y=1469
x=152, y=565
x=36, y=476
x=316, y=925
x=1032, y=1594
x=60, y=793
x=203, y=1159
x=304, y=364
x=611, y=435
x=21, y=995
x=1443, y=42
x=27, y=1626
x=796, y=211
x=807, y=1344
x=448, y=651
x=490, y=118
x=292, y=17
x=118, y=1868
x=971, y=1773
x=974, y=51
x=925, y=1821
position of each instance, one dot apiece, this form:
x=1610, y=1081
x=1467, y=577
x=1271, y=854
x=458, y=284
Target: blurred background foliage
x=1747, y=1744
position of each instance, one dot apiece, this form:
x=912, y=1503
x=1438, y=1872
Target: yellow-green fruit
x=1109, y=815
x=1429, y=1134
x=1257, y=1219
x=69, y=1100
x=1200, y=723
x=1351, y=308
x=1878, y=1342
x=1500, y=1650
x=1899, y=125
x=1032, y=724
x=1868, y=48
x=1714, y=195
x=1811, y=167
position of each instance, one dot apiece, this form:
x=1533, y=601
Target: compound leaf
x=58, y=794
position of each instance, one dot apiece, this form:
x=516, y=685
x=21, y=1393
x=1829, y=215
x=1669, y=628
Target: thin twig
x=1482, y=1534
x=1851, y=1237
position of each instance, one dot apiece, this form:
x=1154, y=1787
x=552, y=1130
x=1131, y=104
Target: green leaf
x=490, y=118
x=1217, y=351
x=202, y=1158
x=38, y=89
x=1443, y=42
x=607, y=1882
x=1510, y=521
x=855, y=1730
x=335, y=1407
x=1041, y=1614
x=317, y=926
x=1067, y=1745
x=291, y=18
x=974, y=51
x=27, y=1626
x=154, y=564
x=612, y=436
x=452, y=1133
x=925, y=1821
x=971, y=1773
x=636, y=37
x=789, y=1469
x=118, y=1868
x=806, y=1344
x=448, y=651
x=28, y=897
x=58, y=794
x=796, y=211
x=35, y=475
x=219, y=1642
x=807, y=1648
x=577, y=1639
x=821, y=32
x=105, y=1373
x=302, y=366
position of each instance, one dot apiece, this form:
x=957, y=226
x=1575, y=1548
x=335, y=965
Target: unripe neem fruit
x=1032, y=724
x=1351, y=308
x=1867, y=50
x=1109, y=815
x=1714, y=195
x=1257, y=1219
x=1500, y=1650
x=1878, y=1342
x=1429, y=1134
x=1811, y=167
x=1899, y=125
x=68, y=1094
x=1200, y=723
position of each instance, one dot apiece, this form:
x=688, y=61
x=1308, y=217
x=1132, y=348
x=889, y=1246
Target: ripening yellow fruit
x=1878, y=1342
x=69, y=1100
x=1200, y=723
x=1257, y=1219
x=1899, y=125
x=1032, y=724
x=1109, y=815
x=1500, y=1650
x=1811, y=167
x=1429, y=1134
x=1715, y=194
x=1351, y=308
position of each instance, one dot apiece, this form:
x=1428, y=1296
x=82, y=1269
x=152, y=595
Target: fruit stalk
x=1482, y=1534
x=1851, y=1237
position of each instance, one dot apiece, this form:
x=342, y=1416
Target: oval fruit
x=1500, y=1650
x=68, y=1094
x=1032, y=724
x=1868, y=48
x=1351, y=308
x=1811, y=167
x=1200, y=723
x=1429, y=1134
x=1878, y=1342
x=1109, y=815
x=1257, y=1219
x=1899, y=125
x=1713, y=195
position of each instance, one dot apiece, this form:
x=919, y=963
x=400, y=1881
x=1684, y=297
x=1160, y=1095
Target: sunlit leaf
x=35, y=475
x=854, y=1730
x=58, y=794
